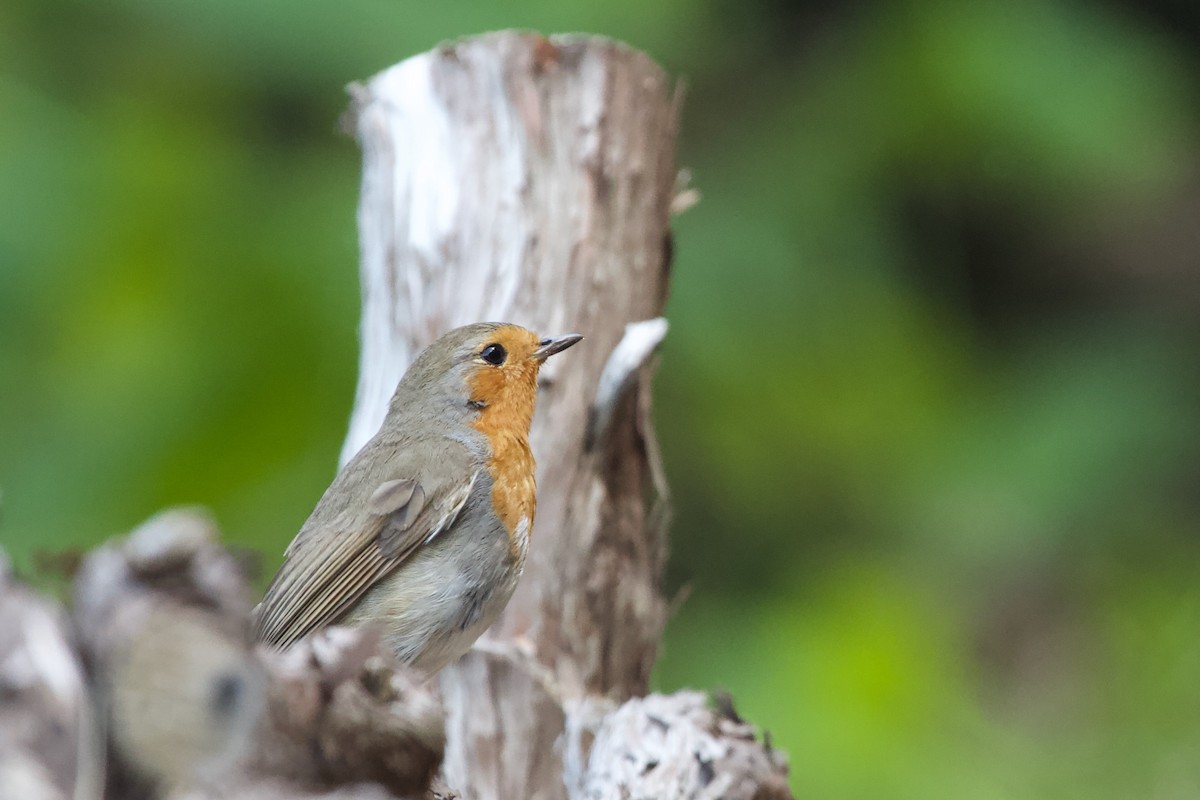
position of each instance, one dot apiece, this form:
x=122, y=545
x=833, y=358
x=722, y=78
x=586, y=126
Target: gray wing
x=323, y=576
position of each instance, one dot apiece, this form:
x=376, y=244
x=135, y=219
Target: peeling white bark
x=676, y=746
x=624, y=364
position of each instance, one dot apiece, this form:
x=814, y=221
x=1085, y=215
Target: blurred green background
x=934, y=428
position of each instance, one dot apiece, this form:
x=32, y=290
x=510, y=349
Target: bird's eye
x=494, y=354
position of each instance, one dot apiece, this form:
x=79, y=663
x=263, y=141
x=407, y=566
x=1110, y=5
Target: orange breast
x=514, y=488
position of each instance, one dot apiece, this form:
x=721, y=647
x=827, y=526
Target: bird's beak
x=555, y=344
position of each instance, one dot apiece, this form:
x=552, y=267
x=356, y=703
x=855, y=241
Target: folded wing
x=341, y=553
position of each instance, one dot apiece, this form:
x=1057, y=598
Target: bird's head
x=490, y=368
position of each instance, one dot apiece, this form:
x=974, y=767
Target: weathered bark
x=516, y=178
x=190, y=710
x=45, y=750
x=676, y=746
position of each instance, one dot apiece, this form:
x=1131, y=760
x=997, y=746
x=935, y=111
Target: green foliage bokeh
x=933, y=403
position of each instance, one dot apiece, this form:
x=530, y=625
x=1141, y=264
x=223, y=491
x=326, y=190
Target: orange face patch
x=506, y=394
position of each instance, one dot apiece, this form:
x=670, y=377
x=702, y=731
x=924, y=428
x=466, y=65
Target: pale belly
x=436, y=604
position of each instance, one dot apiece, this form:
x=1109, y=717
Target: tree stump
x=516, y=178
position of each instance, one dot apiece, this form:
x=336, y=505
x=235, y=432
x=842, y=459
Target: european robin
x=424, y=532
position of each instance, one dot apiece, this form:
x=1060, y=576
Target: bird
x=424, y=533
